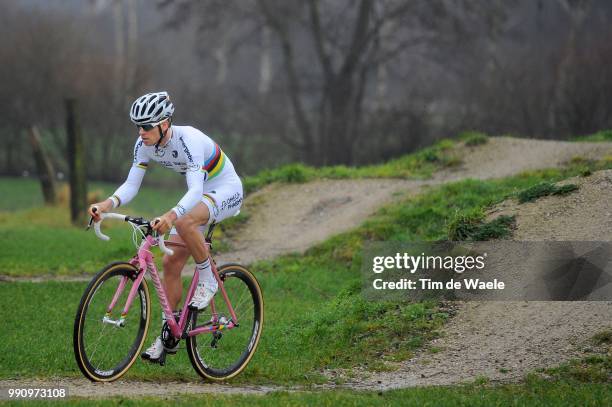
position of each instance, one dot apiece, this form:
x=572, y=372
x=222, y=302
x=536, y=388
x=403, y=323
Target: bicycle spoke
x=241, y=300
x=95, y=347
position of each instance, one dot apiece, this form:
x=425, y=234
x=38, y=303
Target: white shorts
x=223, y=199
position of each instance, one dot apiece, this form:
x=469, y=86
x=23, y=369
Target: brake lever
x=91, y=221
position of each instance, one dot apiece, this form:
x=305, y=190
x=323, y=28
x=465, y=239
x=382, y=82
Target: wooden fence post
x=76, y=160
x=46, y=174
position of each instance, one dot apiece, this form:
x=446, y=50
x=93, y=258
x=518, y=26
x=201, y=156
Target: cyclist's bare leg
x=173, y=266
x=188, y=228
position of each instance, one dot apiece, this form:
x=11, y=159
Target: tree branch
x=359, y=40
x=318, y=38
x=289, y=65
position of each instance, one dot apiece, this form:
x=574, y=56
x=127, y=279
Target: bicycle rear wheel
x=224, y=354
x=105, y=351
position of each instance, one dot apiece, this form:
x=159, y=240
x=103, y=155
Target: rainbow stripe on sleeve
x=141, y=165
x=215, y=163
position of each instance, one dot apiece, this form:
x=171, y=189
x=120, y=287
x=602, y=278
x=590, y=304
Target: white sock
x=175, y=313
x=205, y=275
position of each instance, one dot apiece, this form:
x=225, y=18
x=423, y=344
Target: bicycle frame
x=143, y=261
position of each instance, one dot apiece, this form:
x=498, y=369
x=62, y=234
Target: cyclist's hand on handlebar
x=164, y=222
x=100, y=207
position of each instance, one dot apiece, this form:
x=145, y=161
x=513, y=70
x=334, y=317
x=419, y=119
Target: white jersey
x=189, y=152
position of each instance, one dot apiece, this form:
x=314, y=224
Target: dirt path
x=501, y=341
x=135, y=388
x=294, y=217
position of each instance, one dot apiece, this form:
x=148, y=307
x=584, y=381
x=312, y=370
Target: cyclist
x=214, y=193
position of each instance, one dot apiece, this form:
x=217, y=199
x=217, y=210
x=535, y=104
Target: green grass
x=25, y=193
x=603, y=135
x=473, y=227
x=300, y=337
x=535, y=392
x=473, y=138
x=595, y=367
x=603, y=337
x=42, y=241
x=421, y=164
x=544, y=189
x=590, y=369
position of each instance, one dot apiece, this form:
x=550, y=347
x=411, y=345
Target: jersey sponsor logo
x=181, y=209
x=174, y=153
x=160, y=152
x=231, y=202
x=192, y=167
x=186, y=150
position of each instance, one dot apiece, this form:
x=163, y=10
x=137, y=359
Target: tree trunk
x=337, y=121
x=9, y=158
x=46, y=174
x=577, y=12
x=76, y=160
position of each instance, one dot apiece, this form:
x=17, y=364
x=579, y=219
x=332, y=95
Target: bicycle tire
x=210, y=362
x=83, y=324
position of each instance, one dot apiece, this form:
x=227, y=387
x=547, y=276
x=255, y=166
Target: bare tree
x=52, y=59
x=334, y=56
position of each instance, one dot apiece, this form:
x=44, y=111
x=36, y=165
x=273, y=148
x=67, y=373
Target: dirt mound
x=582, y=215
x=506, y=156
x=289, y=218
x=505, y=340
x=292, y=218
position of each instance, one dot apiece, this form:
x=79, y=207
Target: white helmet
x=151, y=108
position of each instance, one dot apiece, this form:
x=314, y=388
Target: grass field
x=315, y=315
x=25, y=193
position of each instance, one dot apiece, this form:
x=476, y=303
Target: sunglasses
x=149, y=126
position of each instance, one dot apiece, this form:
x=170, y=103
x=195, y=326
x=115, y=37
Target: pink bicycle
x=107, y=342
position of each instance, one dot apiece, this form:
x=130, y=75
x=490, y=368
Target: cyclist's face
x=151, y=137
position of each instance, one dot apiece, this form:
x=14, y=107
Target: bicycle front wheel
x=104, y=348
x=224, y=354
